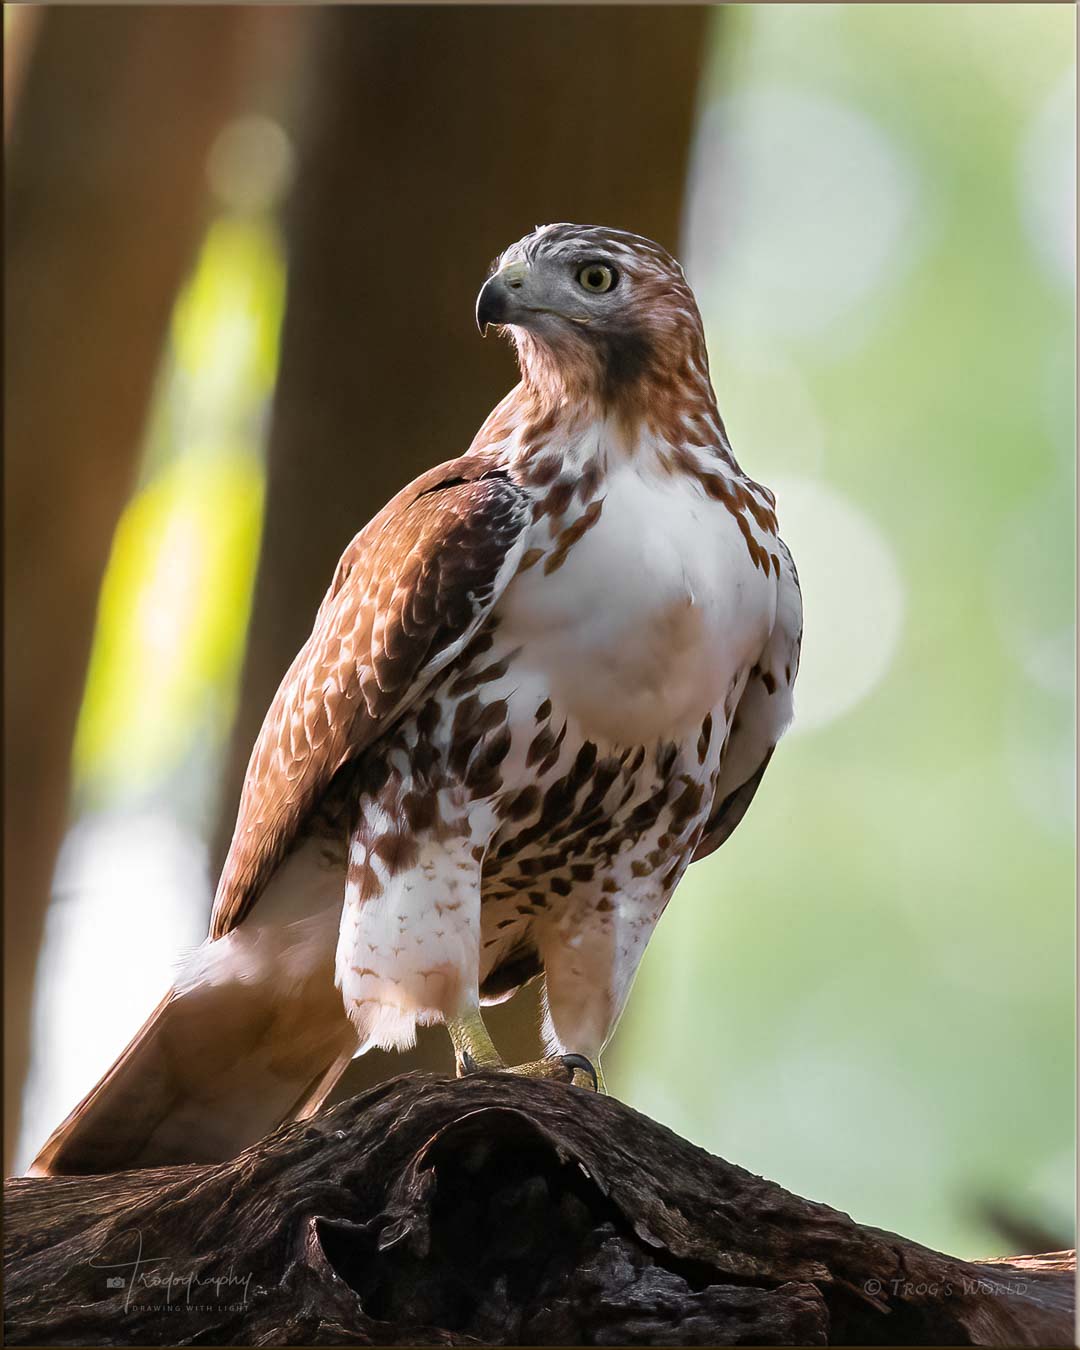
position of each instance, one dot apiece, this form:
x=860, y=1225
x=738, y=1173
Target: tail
x=238, y=1046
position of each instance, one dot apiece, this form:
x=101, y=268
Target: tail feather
x=253, y=1033
x=214, y=1068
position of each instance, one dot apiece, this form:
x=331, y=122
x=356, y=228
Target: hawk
x=546, y=677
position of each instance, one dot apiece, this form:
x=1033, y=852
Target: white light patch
x=168, y=604
x=853, y=597
x=1046, y=182
x=131, y=896
x=251, y=165
x=799, y=207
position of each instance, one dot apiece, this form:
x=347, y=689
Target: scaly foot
x=475, y=1052
x=574, y=1069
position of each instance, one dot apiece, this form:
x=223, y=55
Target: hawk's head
x=595, y=314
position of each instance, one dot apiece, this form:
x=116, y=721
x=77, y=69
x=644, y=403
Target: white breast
x=653, y=615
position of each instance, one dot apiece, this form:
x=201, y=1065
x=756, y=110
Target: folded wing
x=410, y=591
x=762, y=716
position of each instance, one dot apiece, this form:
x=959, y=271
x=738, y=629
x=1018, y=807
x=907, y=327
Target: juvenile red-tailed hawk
x=546, y=677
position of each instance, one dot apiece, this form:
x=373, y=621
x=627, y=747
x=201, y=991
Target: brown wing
x=762, y=716
x=408, y=593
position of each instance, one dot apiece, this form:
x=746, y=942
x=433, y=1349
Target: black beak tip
x=490, y=305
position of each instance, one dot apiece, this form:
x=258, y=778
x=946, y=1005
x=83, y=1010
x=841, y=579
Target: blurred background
x=242, y=248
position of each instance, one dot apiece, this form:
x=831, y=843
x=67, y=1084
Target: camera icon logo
x=115, y=1282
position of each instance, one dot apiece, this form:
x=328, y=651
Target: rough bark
x=433, y=138
x=489, y=1210
x=104, y=202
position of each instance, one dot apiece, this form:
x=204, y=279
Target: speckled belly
x=593, y=832
x=572, y=833
x=582, y=828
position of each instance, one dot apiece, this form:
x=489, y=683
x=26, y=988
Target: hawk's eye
x=598, y=278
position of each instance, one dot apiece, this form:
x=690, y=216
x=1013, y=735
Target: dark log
x=488, y=1210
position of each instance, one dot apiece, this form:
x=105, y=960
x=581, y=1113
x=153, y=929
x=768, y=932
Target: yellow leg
x=474, y=1050
x=473, y=1047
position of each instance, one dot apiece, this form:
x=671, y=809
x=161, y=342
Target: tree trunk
x=489, y=1210
x=436, y=137
x=104, y=203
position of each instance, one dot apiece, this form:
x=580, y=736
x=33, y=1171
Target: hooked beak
x=499, y=299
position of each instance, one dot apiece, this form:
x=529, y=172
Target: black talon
x=573, y=1062
x=466, y=1064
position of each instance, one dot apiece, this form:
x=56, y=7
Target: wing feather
x=409, y=592
x=762, y=716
